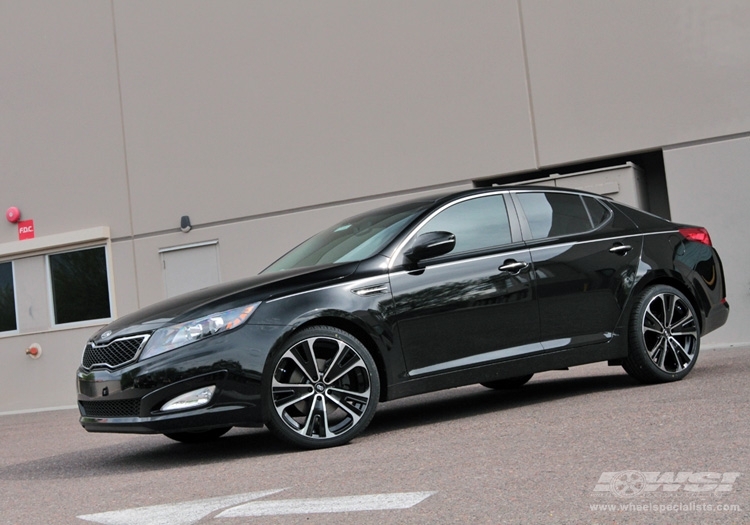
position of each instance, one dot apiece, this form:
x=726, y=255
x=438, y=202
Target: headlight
x=175, y=336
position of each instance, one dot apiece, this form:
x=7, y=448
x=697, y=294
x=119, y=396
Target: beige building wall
x=265, y=121
x=628, y=75
x=251, y=108
x=709, y=184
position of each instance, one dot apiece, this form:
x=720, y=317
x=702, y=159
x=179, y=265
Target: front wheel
x=321, y=388
x=664, y=336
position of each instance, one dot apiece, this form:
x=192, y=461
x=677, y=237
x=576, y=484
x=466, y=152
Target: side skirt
x=552, y=360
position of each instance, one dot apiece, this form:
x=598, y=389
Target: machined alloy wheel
x=664, y=336
x=323, y=389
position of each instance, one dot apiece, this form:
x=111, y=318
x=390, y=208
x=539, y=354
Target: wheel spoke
x=317, y=419
x=653, y=351
x=686, y=322
x=304, y=357
x=682, y=358
x=663, y=352
x=353, y=403
x=344, y=362
x=659, y=351
x=651, y=318
x=334, y=363
x=285, y=395
x=689, y=333
x=670, y=305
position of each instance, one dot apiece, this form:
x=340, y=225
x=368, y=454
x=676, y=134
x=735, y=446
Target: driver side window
x=478, y=223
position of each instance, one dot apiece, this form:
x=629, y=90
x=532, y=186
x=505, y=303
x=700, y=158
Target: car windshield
x=354, y=239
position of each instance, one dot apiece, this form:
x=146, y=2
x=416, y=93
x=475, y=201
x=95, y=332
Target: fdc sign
x=25, y=230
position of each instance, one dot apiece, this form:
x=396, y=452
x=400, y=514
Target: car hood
x=222, y=297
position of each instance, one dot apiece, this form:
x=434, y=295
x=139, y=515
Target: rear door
x=474, y=305
x=585, y=255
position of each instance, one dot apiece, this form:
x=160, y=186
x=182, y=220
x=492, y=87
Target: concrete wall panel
x=61, y=148
x=243, y=108
x=625, y=75
x=124, y=278
x=709, y=186
x=47, y=382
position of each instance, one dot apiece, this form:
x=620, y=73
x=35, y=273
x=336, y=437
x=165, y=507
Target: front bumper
x=133, y=411
x=129, y=399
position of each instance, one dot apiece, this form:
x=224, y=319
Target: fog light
x=192, y=399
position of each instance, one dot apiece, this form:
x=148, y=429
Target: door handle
x=620, y=249
x=513, y=267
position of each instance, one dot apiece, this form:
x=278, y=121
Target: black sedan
x=485, y=286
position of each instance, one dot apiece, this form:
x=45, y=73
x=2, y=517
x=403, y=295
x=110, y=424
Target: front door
x=474, y=305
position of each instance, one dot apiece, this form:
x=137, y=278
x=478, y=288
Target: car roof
x=516, y=187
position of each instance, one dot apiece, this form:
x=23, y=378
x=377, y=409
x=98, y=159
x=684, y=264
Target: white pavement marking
x=394, y=501
x=185, y=513
x=242, y=506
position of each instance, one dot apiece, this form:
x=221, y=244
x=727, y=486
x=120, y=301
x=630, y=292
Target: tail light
x=696, y=234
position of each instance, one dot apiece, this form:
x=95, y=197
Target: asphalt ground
x=587, y=445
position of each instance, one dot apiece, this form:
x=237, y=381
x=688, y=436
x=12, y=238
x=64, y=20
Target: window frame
x=526, y=227
x=15, y=331
x=602, y=203
x=54, y=324
x=398, y=259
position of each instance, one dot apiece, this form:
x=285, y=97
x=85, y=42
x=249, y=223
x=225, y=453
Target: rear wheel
x=664, y=336
x=508, y=384
x=201, y=436
x=321, y=389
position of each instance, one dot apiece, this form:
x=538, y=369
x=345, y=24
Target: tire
x=201, y=436
x=663, y=336
x=321, y=389
x=508, y=384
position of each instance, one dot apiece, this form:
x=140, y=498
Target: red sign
x=25, y=230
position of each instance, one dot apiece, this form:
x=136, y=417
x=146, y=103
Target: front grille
x=114, y=353
x=122, y=408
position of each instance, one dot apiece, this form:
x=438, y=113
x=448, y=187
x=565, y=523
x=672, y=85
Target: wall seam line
x=532, y=118
x=125, y=156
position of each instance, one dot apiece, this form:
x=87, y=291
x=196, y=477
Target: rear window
x=552, y=214
x=598, y=211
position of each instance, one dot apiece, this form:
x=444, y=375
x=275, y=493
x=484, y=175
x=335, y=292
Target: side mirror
x=432, y=244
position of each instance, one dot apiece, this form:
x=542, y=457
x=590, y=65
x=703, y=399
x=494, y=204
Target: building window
x=7, y=298
x=80, y=285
